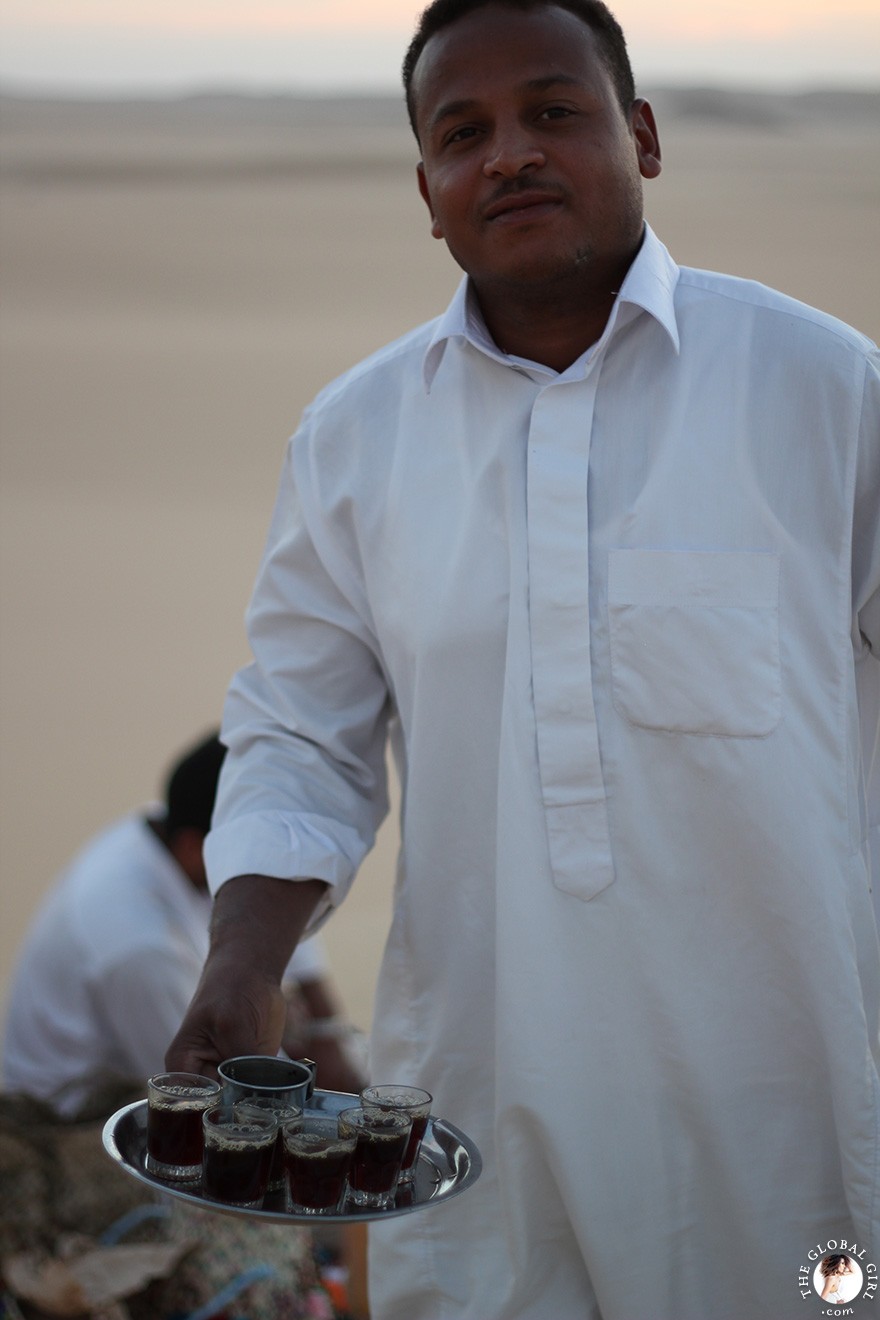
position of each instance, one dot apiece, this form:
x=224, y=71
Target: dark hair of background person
x=612, y=43
x=192, y=786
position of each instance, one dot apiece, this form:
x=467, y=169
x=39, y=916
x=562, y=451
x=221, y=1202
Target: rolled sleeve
x=285, y=845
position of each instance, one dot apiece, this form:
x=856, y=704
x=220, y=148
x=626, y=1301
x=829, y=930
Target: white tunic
x=621, y=620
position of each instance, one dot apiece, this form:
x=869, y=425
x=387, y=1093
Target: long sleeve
x=303, y=789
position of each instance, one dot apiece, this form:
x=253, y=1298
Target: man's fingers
x=250, y=1021
x=184, y=1055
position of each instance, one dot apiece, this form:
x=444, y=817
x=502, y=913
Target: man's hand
x=238, y=1007
x=235, y=1010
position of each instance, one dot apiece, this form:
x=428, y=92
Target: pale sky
x=315, y=46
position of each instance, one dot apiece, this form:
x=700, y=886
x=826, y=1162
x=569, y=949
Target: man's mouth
x=522, y=205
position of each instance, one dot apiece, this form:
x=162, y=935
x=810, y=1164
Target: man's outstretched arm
x=238, y=1007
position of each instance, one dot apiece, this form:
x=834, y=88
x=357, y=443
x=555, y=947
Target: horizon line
x=193, y=89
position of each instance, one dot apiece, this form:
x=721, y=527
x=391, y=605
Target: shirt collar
x=649, y=285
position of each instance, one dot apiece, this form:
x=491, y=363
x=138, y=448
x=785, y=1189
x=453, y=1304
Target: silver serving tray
x=449, y=1162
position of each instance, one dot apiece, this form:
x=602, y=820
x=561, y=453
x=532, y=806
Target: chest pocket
x=695, y=640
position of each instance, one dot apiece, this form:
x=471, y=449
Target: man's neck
x=157, y=826
x=177, y=852
x=553, y=323
x=548, y=336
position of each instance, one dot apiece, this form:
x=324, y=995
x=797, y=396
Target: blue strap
x=241, y=1281
x=132, y=1219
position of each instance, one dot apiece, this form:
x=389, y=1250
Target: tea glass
x=317, y=1159
x=408, y=1100
x=382, y=1137
x=237, y=1156
x=175, y=1104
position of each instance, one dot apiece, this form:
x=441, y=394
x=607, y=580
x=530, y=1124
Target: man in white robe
x=598, y=549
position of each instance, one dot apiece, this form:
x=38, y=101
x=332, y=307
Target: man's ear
x=647, y=139
x=436, y=231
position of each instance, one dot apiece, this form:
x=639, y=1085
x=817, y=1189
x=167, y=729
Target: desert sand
x=178, y=279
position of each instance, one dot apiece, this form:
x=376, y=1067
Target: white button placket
x=559, y=621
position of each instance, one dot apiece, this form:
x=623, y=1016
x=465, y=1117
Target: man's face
x=531, y=169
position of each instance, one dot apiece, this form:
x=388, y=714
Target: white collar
x=649, y=286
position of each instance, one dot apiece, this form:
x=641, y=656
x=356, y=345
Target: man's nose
x=512, y=149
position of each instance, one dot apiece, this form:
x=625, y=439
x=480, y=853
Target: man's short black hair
x=192, y=786
x=612, y=43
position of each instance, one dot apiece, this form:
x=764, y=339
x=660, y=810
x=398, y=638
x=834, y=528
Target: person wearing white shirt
x=598, y=551
x=114, y=955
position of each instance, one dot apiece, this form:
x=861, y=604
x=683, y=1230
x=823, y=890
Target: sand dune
x=178, y=279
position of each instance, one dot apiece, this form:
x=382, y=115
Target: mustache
x=517, y=187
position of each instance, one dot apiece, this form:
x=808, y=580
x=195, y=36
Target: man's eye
x=556, y=112
x=460, y=134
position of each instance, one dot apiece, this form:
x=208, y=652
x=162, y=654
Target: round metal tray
x=449, y=1162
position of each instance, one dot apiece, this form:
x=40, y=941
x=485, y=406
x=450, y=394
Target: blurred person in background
x=114, y=955
x=598, y=550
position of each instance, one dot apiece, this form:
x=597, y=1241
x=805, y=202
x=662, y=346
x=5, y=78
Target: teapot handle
x=313, y=1071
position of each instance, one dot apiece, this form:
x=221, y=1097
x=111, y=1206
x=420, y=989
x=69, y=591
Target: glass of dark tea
x=317, y=1160
x=381, y=1140
x=175, y=1105
x=283, y=1111
x=237, y=1156
x=408, y=1100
